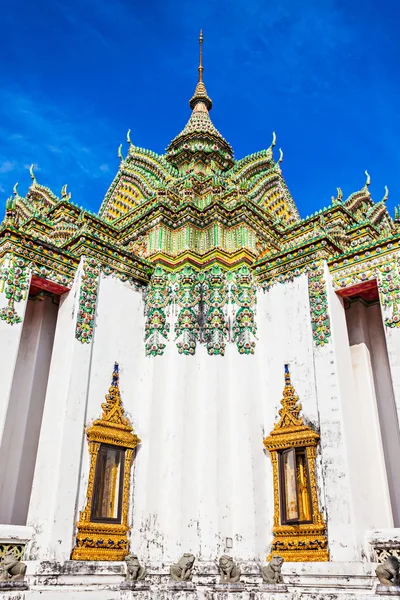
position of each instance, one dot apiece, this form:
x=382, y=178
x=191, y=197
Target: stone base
x=388, y=590
x=14, y=586
x=267, y=591
x=134, y=590
x=134, y=585
x=13, y=590
x=178, y=590
x=229, y=591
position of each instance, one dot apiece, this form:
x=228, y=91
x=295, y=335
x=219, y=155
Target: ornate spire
x=200, y=93
x=290, y=411
x=200, y=140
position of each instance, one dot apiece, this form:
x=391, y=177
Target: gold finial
x=339, y=193
x=201, y=56
x=368, y=178
x=64, y=191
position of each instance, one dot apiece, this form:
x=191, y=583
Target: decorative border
x=87, y=301
x=203, y=300
x=14, y=277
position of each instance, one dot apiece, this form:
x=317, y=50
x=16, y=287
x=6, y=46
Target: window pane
x=289, y=473
x=303, y=488
x=107, y=486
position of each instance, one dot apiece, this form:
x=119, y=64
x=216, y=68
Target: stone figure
x=12, y=569
x=229, y=571
x=134, y=571
x=183, y=569
x=271, y=573
x=388, y=572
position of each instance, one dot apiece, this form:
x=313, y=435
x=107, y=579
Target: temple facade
x=198, y=370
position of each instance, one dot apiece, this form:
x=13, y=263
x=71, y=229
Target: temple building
x=198, y=370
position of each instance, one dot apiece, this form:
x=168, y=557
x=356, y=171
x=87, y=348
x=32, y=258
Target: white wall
x=52, y=507
x=201, y=474
x=24, y=415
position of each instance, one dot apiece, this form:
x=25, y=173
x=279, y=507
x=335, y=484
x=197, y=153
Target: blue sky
x=76, y=75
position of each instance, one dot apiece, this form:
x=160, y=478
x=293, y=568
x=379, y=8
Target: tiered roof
x=195, y=204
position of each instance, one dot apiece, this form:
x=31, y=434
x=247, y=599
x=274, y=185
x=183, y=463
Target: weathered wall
x=24, y=415
x=201, y=475
x=52, y=508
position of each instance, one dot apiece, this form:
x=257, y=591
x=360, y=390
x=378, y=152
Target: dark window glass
x=294, y=484
x=108, y=484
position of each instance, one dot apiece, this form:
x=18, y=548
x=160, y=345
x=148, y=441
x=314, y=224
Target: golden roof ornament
x=200, y=93
x=291, y=407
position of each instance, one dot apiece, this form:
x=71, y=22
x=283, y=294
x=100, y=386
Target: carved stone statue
x=12, y=569
x=271, y=573
x=183, y=569
x=229, y=571
x=388, y=572
x=134, y=571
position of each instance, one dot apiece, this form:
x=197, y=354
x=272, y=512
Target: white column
x=340, y=434
x=377, y=512
x=10, y=337
x=386, y=406
x=24, y=416
x=52, y=509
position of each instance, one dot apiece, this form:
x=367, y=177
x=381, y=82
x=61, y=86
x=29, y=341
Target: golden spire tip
x=201, y=56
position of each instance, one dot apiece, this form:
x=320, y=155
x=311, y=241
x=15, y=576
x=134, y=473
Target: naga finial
x=280, y=156
x=128, y=137
x=120, y=152
x=31, y=173
x=386, y=196
x=64, y=191
x=368, y=178
x=273, y=139
x=15, y=189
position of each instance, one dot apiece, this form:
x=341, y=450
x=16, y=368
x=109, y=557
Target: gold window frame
x=102, y=540
x=295, y=542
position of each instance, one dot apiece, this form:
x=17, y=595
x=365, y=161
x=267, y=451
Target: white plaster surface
x=52, y=508
x=201, y=474
x=386, y=404
x=22, y=427
x=373, y=481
